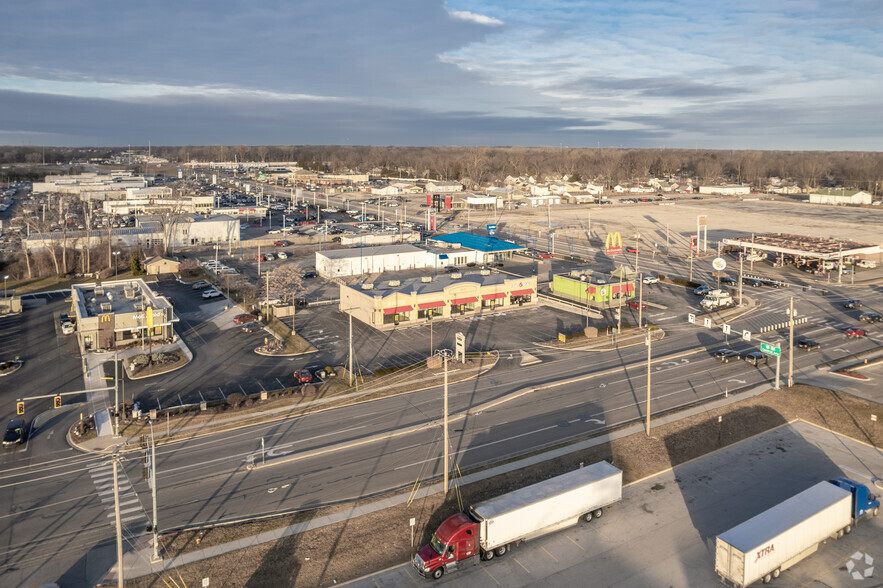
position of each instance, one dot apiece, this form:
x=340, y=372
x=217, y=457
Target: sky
x=757, y=74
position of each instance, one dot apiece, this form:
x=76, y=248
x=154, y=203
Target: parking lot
x=663, y=532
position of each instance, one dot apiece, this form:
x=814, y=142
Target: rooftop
x=370, y=251
x=476, y=242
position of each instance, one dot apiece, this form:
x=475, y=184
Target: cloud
x=476, y=18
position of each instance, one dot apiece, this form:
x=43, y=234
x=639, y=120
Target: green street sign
x=770, y=350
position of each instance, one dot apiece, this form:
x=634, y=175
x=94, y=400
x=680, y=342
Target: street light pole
x=791, y=343
x=4, y=286
x=116, y=269
x=648, y=382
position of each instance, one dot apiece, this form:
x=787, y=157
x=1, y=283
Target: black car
x=752, y=282
x=308, y=275
x=854, y=303
x=15, y=433
x=756, y=358
x=452, y=269
x=728, y=280
x=772, y=283
x=870, y=317
x=807, y=344
x=725, y=355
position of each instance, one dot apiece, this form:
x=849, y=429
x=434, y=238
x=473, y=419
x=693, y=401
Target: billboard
x=613, y=245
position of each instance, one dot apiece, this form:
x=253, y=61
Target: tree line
x=483, y=166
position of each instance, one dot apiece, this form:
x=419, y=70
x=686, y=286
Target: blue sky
x=771, y=74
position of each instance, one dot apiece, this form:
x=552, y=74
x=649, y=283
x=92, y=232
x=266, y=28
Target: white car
x=651, y=280
x=244, y=226
x=211, y=293
x=274, y=231
x=67, y=328
x=282, y=255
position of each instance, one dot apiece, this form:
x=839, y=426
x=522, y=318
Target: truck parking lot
x=663, y=531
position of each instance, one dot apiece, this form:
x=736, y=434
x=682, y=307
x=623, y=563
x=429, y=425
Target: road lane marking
x=515, y=559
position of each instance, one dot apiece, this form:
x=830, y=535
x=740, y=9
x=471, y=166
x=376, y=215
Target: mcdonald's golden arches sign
x=613, y=245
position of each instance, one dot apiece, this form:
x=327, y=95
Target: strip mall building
x=418, y=301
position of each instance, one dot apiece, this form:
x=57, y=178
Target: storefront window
x=392, y=319
x=462, y=308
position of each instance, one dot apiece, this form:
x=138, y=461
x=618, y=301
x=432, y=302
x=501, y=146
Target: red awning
x=493, y=296
x=428, y=305
x=397, y=309
x=625, y=287
x=522, y=292
x=469, y=300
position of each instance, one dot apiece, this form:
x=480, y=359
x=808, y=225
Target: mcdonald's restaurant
x=420, y=301
x=595, y=289
x=115, y=314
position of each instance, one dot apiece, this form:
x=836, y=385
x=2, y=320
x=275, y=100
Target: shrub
x=661, y=277
x=235, y=399
x=140, y=360
x=687, y=283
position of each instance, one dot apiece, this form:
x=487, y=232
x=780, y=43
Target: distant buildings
x=839, y=196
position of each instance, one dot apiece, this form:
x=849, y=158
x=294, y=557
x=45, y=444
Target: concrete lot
x=663, y=531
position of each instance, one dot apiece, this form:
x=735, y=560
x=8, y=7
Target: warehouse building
x=468, y=248
x=832, y=196
x=419, y=301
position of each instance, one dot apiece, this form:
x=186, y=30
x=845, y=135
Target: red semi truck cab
x=454, y=541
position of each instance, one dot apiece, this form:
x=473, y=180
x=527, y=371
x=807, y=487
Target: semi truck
x=764, y=546
x=492, y=527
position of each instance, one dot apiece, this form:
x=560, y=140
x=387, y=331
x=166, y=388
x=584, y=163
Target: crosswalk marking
x=130, y=505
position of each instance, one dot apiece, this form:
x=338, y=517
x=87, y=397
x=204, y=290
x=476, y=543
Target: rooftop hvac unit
x=426, y=279
x=395, y=283
x=106, y=307
x=456, y=245
x=99, y=291
x=485, y=272
x=139, y=306
x=367, y=286
x=110, y=296
x=456, y=275
x=583, y=278
x=576, y=274
x=129, y=293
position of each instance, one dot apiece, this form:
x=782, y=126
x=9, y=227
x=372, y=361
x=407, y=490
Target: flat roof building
x=418, y=301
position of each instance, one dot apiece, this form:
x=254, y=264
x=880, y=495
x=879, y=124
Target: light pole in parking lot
x=649, y=339
x=116, y=269
x=4, y=286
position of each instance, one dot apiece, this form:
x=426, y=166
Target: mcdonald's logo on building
x=106, y=318
x=613, y=245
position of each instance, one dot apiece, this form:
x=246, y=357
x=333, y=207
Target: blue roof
x=477, y=242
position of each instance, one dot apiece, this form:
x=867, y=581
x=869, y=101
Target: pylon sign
x=613, y=245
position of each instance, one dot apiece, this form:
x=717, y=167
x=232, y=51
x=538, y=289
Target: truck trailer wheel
x=776, y=573
x=767, y=578
x=847, y=529
x=488, y=555
x=598, y=513
x=438, y=573
x=501, y=550
x=588, y=517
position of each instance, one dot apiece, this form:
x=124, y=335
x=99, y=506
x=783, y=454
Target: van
x=866, y=263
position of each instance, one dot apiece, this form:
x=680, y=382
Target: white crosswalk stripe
x=130, y=505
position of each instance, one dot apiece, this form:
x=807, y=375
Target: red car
x=632, y=250
x=304, y=376
x=281, y=243
x=856, y=332
x=260, y=258
x=634, y=304
x=241, y=319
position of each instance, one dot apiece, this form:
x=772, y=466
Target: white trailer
x=765, y=545
x=547, y=506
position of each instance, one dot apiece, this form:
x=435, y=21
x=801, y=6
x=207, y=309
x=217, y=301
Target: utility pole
x=691, y=260
x=741, y=262
x=116, y=395
x=350, y=313
x=640, y=301
x=156, y=556
x=446, y=353
x=648, y=382
x=119, y=525
x=637, y=250
x=791, y=343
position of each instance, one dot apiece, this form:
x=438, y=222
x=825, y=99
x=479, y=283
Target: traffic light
x=56, y=402
x=20, y=407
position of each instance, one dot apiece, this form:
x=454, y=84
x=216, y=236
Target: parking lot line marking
x=262, y=386
x=281, y=385
x=575, y=543
x=222, y=393
x=180, y=401
x=550, y=555
x=126, y=511
x=135, y=518
x=243, y=389
x=515, y=559
x=489, y=574
x=200, y=396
